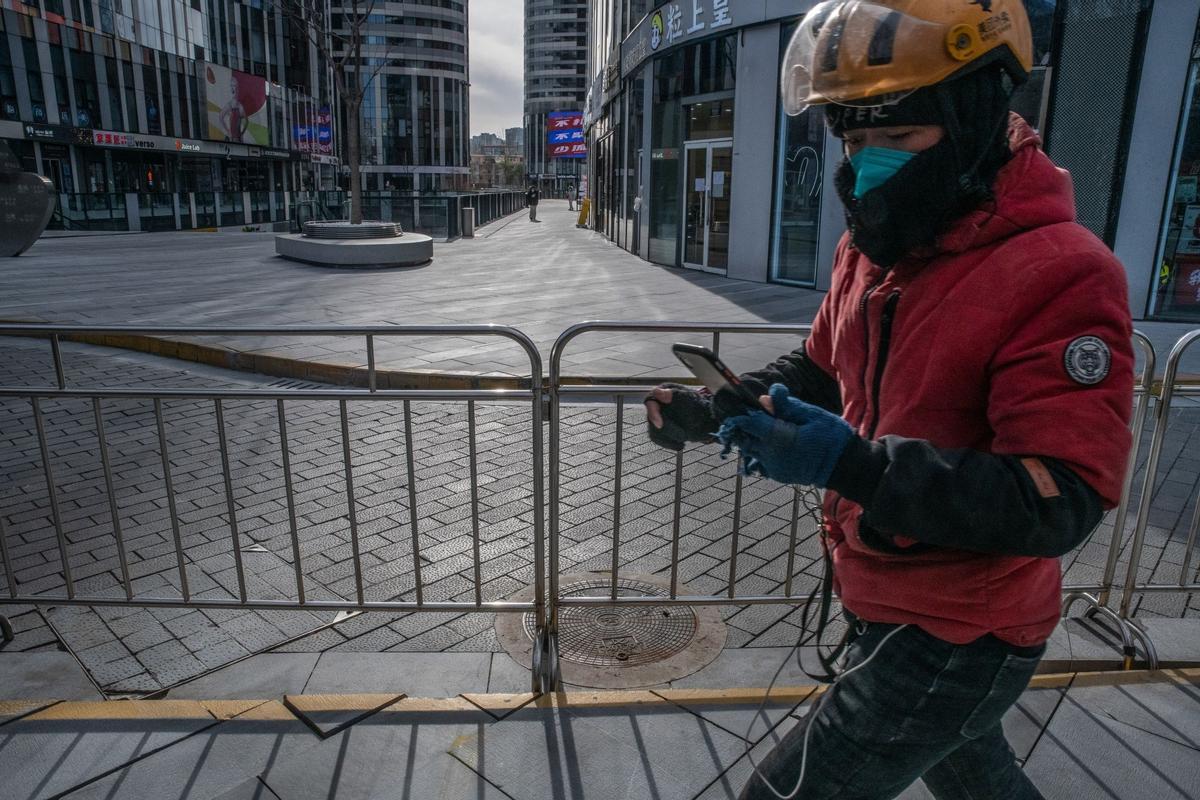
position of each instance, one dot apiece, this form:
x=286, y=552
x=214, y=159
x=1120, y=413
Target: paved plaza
x=538, y=277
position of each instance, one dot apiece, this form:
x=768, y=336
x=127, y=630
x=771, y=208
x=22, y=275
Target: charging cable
x=808, y=723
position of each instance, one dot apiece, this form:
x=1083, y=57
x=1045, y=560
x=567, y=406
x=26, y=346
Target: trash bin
x=468, y=222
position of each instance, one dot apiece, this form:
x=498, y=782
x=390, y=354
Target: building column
x=755, y=107
x=1152, y=145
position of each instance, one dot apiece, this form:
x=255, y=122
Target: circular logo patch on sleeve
x=1088, y=360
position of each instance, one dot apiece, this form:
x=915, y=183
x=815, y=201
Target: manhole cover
x=616, y=647
x=619, y=636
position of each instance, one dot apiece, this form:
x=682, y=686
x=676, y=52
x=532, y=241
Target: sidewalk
x=538, y=277
x=1126, y=736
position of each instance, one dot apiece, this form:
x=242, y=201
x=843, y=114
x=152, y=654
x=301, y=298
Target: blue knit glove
x=800, y=444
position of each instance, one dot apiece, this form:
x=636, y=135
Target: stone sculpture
x=26, y=204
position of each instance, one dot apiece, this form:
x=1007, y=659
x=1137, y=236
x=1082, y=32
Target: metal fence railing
x=1187, y=582
x=438, y=215
x=803, y=501
x=1096, y=597
x=69, y=427
x=44, y=422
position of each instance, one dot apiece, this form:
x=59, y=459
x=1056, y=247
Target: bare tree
x=341, y=46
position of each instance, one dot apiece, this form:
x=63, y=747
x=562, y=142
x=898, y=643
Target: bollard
x=468, y=222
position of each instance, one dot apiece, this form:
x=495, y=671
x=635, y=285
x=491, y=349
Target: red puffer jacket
x=977, y=344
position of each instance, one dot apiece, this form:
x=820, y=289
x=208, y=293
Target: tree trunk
x=353, y=109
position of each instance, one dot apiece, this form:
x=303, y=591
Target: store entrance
x=707, y=189
x=59, y=173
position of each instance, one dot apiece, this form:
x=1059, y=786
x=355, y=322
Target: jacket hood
x=1030, y=192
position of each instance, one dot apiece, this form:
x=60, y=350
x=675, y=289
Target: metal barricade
x=620, y=393
x=1133, y=583
x=1096, y=597
x=70, y=590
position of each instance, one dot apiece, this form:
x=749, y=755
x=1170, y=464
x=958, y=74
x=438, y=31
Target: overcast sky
x=496, y=68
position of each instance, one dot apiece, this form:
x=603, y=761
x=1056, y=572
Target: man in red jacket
x=964, y=397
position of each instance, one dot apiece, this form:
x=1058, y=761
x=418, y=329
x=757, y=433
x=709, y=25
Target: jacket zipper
x=885, y=345
x=864, y=309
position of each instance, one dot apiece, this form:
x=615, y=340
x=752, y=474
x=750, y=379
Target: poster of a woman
x=237, y=106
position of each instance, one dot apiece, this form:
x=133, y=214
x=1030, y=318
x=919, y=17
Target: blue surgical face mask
x=874, y=166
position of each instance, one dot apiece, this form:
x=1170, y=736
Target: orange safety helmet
x=876, y=52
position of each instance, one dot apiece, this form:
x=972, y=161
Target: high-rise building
x=415, y=128
x=556, y=80
x=514, y=137
x=178, y=96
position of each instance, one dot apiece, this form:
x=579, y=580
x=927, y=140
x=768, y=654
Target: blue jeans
x=923, y=708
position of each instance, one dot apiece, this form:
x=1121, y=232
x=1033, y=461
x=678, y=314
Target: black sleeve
x=804, y=379
x=967, y=499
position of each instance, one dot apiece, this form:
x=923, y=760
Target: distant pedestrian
x=571, y=196
x=531, y=198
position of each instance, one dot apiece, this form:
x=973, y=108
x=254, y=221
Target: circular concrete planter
x=369, y=245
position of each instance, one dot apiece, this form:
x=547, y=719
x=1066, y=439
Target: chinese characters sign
x=564, y=135
x=681, y=21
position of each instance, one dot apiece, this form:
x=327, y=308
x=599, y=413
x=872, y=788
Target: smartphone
x=713, y=373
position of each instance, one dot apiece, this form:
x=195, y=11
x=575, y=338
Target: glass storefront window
x=703, y=69
x=666, y=145
x=1030, y=99
x=799, y=171
x=710, y=120
x=1176, y=292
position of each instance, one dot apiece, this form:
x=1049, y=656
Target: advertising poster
x=1187, y=284
x=1189, y=236
x=237, y=106
x=564, y=135
x=324, y=131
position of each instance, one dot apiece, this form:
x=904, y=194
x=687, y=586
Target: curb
x=267, y=363
x=278, y=366
x=501, y=705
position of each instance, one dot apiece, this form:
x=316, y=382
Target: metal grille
x=1096, y=59
x=620, y=636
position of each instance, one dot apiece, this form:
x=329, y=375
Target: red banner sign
x=568, y=150
x=563, y=121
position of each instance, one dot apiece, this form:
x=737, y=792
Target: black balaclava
x=939, y=185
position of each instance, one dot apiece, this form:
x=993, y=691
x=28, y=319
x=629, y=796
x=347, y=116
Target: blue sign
x=564, y=137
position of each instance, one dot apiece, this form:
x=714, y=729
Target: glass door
x=720, y=173
x=708, y=180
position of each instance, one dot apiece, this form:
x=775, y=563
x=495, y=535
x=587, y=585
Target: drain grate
x=619, y=636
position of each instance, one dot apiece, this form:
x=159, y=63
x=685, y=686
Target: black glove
x=689, y=417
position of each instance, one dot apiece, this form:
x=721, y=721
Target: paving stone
x=211, y=762
x=1085, y=753
x=329, y=713
x=414, y=674
x=601, y=751
x=45, y=674
x=1165, y=703
x=400, y=751
x=728, y=786
x=748, y=668
x=264, y=675
x=500, y=705
x=749, y=715
x=507, y=676
x=14, y=709
x=74, y=743
x=252, y=789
